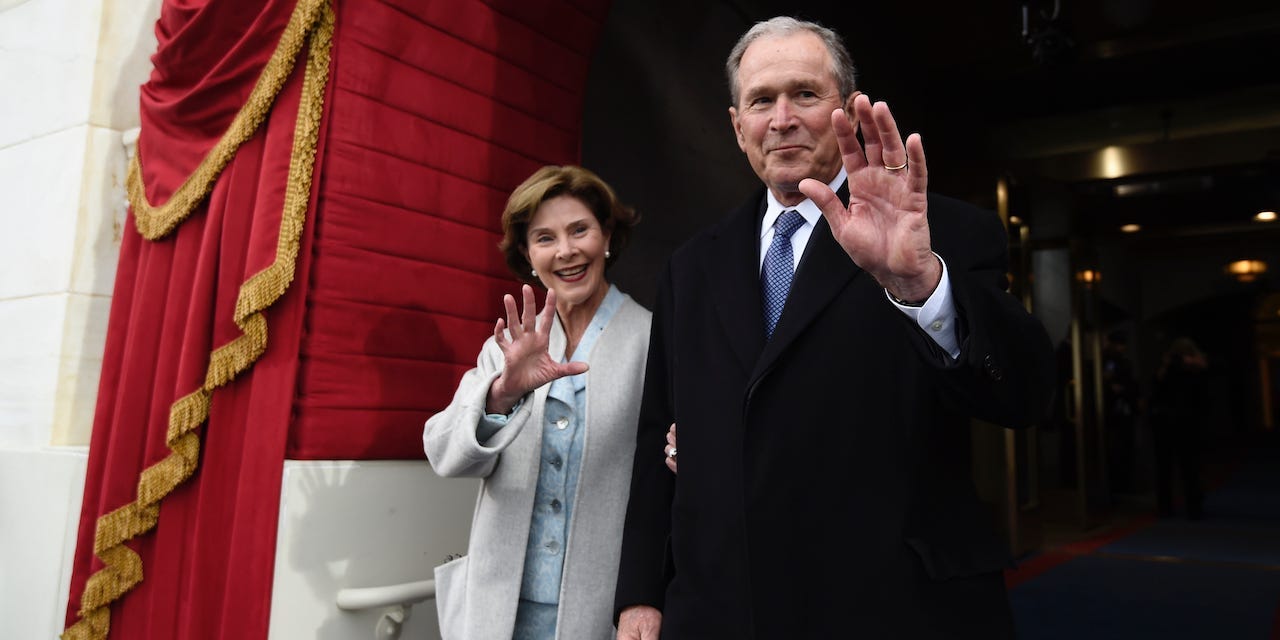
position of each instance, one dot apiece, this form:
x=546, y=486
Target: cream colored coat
x=476, y=595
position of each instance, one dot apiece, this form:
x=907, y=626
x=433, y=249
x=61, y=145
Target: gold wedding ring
x=897, y=168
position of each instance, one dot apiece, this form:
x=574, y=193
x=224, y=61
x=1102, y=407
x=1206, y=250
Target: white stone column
x=70, y=71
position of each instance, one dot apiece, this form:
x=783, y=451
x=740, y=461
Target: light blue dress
x=563, y=434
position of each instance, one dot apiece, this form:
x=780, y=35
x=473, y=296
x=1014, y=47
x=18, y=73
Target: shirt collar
x=562, y=388
x=807, y=209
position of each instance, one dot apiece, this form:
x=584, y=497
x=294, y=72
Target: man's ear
x=848, y=108
x=737, y=128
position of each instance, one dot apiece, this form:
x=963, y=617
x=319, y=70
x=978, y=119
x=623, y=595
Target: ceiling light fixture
x=1246, y=270
x=1265, y=216
x=1130, y=228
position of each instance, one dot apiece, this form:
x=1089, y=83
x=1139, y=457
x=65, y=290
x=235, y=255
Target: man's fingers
x=871, y=142
x=891, y=150
x=825, y=198
x=917, y=168
x=847, y=139
x=639, y=622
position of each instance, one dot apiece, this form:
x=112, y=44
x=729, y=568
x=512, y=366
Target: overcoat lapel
x=733, y=268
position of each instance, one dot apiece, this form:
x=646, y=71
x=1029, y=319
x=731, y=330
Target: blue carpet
x=1252, y=494
x=1208, y=540
x=1100, y=598
x=1214, y=578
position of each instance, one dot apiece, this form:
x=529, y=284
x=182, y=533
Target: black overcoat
x=824, y=487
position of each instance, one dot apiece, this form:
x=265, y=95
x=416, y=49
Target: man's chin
x=788, y=193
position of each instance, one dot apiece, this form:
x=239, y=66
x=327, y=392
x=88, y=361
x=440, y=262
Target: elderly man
x=823, y=350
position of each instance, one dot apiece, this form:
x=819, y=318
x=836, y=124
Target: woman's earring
x=607, y=255
x=533, y=272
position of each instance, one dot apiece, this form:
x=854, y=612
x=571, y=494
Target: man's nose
x=784, y=114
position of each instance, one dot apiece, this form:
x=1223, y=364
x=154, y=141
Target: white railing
x=396, y=602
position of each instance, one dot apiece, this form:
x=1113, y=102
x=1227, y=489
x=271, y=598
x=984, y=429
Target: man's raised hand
x=885, y=228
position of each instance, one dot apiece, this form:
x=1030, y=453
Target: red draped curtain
x=310, y=266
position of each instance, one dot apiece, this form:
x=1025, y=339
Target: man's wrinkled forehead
x=805, y=66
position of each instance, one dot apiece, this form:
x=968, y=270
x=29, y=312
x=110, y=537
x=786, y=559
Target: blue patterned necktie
x=775, y=278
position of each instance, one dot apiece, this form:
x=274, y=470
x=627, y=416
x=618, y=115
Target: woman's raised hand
x=527, y=364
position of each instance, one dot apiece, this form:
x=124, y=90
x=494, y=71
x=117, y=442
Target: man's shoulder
x=739, y=220
x=947, y=214
x=938, y=201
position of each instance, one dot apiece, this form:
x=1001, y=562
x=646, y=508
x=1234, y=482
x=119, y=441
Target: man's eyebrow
x=787, y=86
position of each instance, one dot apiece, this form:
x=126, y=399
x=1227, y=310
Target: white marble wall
x=362, y=524
x=69, y=77
x=71, y=70
x=37, y=538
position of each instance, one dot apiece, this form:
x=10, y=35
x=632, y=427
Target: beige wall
x=70, y=71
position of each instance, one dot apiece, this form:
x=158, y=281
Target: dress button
x=557, y=463
x=553, y=547
x=555, y=506
x=936, y=325
x=562, y=423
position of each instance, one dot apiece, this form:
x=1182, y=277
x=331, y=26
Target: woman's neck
x=575, y=318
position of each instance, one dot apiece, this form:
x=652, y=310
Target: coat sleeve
x=449, y=437
x=643, y=568
x=1005, y=371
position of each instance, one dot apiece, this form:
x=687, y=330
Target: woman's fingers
x=530, y=307
x=499, y=335
x=548, y=310
x=513, y=316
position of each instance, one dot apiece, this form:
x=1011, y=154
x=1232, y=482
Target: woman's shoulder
x=632, y=310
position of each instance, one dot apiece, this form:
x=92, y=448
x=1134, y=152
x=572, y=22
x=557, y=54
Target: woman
x=552, y=440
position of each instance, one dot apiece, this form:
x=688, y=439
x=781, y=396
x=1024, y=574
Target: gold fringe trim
x=122, y=568
x=156, y=222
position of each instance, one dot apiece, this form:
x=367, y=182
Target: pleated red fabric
x=440, y=109
x=434, y=112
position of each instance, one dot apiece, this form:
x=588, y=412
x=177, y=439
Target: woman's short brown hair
x=550, y=182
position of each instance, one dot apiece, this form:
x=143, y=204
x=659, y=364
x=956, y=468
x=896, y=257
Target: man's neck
x=793, y=197
x=787, y=198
